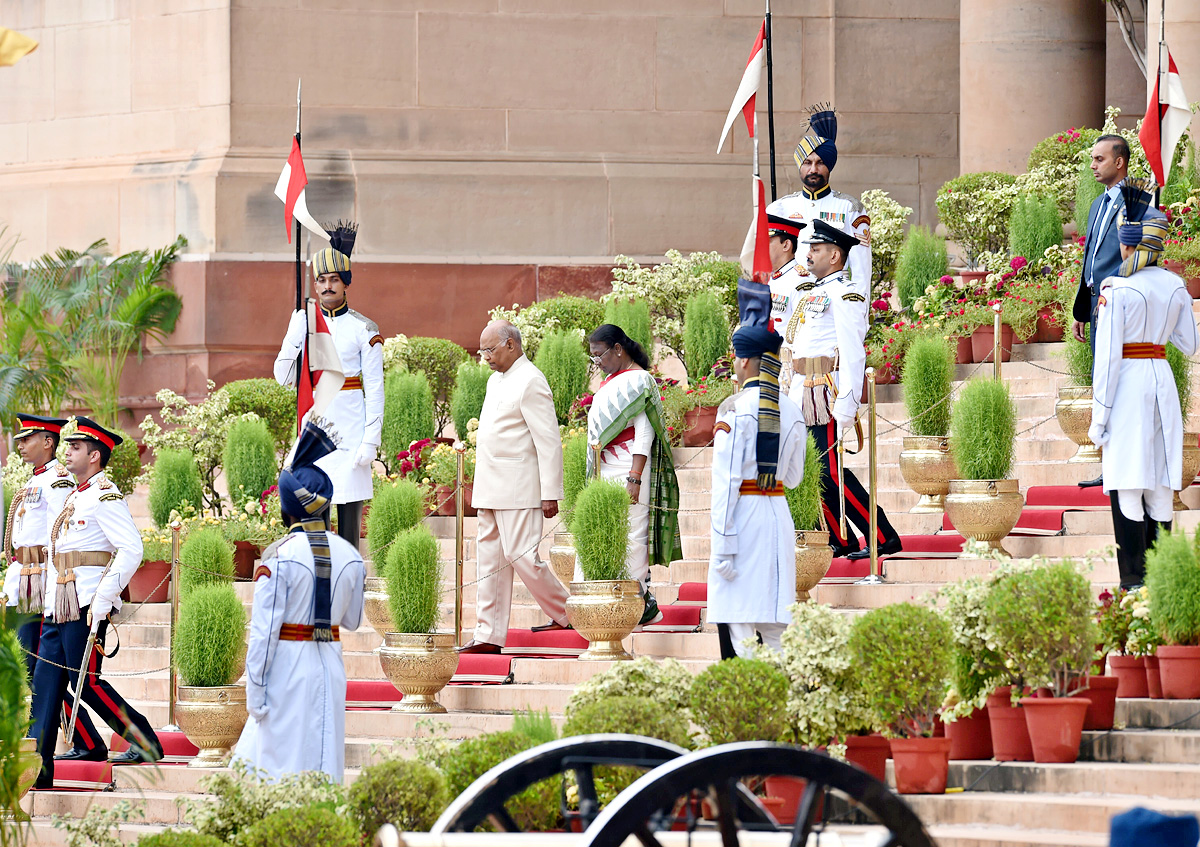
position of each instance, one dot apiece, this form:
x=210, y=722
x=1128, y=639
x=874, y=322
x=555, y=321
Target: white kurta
x=1135, y=405
x=296, y=690
x=753, y=532
x=356, y=414
x=46, y=492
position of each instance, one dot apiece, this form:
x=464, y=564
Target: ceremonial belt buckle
x=302, y=632
x=30, y=555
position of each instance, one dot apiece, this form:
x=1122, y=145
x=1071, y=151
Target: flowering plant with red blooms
x=1114, y=616
x=269, y=501
x=410, y=461
x=577, y=414
x=1183, y=238
x=679, y=399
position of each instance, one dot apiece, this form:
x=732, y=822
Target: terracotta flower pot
x=1180, y=670
x=698, y=426
x=1192, y=283
x=1047, y=333
x=1055, y=727
x=885, y=376
x=922, y=765
x=869, y=753
x=150, y=583
x=1154, y=678
x=1010, y=735
x=983, y=343
x=1131, y=674
x=788, y=791
x=1102, y=691
x=245, y=554
x=963, y=354
x=443, y=501
x=971, y=737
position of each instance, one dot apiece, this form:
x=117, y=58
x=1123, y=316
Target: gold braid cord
x=8, y=524
x=66, y=597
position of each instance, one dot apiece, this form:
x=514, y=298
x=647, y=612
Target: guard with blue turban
x=758, y=450
x=1141, y=826
x=357, y=411
x=816, y=156
x=307, y=589
x=1136, y=415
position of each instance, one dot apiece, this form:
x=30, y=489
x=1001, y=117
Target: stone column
x=1026, y=70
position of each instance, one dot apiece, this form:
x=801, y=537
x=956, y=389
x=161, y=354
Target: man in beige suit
x=518, y=482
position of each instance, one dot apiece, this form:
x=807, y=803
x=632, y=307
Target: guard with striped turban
x=758, y=450
x=815, y=156
x=307, y=589
x=357, y=412
x=1136, y=415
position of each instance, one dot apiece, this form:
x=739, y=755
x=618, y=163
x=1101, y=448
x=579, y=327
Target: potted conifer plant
x=983, y=503
x=418, y=660
x=902, y=653
x=607, y=605
x=251, y=467
x=1074, y=406
x=813, y=553
x=562, y=552
x=396, y=506
x=925, y=462
x=1173, y=577
x=1181, y=371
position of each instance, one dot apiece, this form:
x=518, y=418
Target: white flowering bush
x=887, y=234
x=1144, y=637
x=666, y=681
x=17, y=472
x=395, y=349
x=978, y=668
x=975, y=208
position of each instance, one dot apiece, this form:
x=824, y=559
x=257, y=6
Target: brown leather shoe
x=553, y=626
x=479, y=647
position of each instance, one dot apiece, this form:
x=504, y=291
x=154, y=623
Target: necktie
x=1098, y=237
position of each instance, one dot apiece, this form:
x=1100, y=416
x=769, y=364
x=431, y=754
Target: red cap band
x=84, y=429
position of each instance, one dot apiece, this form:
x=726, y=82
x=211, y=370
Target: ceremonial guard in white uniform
x=828, y=359
x=758, y=449
x=356, y=414
x=308, y=587
x=787, y=283
x=95, y=549
x=816, y=156
x=1136, y=416
x=30, y=516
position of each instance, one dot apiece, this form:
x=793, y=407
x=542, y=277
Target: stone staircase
x=1151, y=760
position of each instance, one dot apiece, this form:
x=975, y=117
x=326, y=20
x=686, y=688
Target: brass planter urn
x=419, y=664
x=212, y=718
x=1191, y=466
x=562, y=557
x=927, y=467
x=813, y=558
x=605, y=611
x=1074, y=412
x=376, y=608
x=984, y=509
x=33, y=765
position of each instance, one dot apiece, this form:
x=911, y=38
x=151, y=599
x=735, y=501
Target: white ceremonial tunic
x=1135, y=401
x=843, y=211
x=754, y=532
x=828, y=322
x=97, y=518
x=45, y=494
x=296, y=690
x=356, y=414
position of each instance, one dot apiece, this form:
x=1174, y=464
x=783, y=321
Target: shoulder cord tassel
x=66, y=596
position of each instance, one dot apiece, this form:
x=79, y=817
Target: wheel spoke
x=647, y=837
x=725, y=797
x=805, y=814
x=589, y=804
x=503, y=821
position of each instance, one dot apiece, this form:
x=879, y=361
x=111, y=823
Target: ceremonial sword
x=841, y=448
x=93, y=625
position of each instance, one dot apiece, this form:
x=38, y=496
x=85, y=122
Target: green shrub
x=407, y=793
x=1087, y=189
x=536, y=809
x=902, y=654
x=309, y=826
x=1042, y=621
x=601, y=528
x=564, y=363
x=983, y=430
x=1079, y=357
x=470, y=387
x=1034, y=226
x=14, y=719
x=725, y=279
x=396, y=507
x=179, y=838
x=174, y=481
x=210, y=636
x=414, y=580
x=250, y=462
x=741, y=700
x=205, y=558
x=571, y=312
x=275, y=404
x=636, y=715
x=922, y=261
x=574, y=470
x=1184, y=178
x=804, y=501
x=125, y=465
x=439, y=358
x=1181, y=372
x=1173, y=577
x=407, y=414
x=705, y=334
x=633, y=316
x=667, y=681
x=537, y=726
x=927, y=377
x=975, y=209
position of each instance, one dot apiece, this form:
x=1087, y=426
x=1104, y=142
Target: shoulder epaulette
x=728, y=403
x=62, y=471
x=105, y=485
x=272, y=549
x=62, y=483
x=110, y=496
x=854, y=297
x=372, y=327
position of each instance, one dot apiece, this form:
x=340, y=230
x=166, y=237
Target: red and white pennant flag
x=743, y=101
x=320, y=378
x=1165, y=122
x=756, y=253
x=290, y=189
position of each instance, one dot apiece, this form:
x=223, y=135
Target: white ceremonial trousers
x=296, y=690
x=753, y=532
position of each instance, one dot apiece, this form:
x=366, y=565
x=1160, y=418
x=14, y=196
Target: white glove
x=1099, y=434
x=724, y=568
x=296, y=330
x=844, y=422
x=99, y=609
x=257, y=711
x=365, y=455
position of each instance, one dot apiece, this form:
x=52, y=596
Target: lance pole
x=299, y=265
x=176, y=528
x=459, y=503
x=996, y=340
x=770, y=100
x=876, y=576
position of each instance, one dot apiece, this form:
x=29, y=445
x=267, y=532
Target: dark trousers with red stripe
x=30, y=636
x=63, y=644
x=857, y=498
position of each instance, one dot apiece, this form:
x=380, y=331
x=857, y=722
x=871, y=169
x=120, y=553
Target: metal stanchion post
x=459, y=505
x=176, y=528
x=996, y=340
x=596, y=450
x=875, y=577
